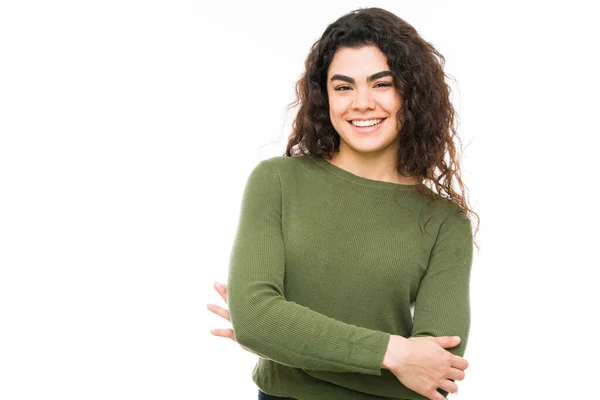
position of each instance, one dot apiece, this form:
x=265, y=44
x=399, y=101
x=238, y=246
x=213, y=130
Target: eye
x=383, y=84
x=342, y=88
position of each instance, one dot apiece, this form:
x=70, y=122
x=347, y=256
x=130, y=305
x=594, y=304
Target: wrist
x=392, y=354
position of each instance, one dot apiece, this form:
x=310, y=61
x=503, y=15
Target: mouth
x=366, y=123
x=366, y=126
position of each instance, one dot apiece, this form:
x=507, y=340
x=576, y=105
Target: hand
x=221, y=312
x=423, y=365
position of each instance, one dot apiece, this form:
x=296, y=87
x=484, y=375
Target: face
x=363, y=101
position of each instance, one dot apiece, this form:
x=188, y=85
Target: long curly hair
x=427, y=118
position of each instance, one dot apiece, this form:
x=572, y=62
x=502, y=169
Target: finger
x=436, y=396
x=220, y=311
x=459, y=362
x=447, y=341
x=226, y=333
x=448, y=386
x=222, y=290
x=456, y=374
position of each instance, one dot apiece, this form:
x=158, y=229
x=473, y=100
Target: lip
x=364, y=119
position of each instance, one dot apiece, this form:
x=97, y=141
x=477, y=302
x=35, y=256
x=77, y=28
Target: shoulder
x=443, y=214
x=280, y=170
x=283, y=162
x=455, y=229
x=286, y=166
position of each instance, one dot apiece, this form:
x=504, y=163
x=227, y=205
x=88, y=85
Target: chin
x=368, y=149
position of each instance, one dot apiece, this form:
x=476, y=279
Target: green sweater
x=326, y=264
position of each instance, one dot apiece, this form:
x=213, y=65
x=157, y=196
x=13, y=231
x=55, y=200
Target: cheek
x=336, y=119
x=391, y=103
x=337, y=109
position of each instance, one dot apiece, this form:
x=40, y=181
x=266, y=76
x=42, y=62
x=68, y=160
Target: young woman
x=349, y=276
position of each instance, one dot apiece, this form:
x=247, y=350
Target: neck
x=371, y=166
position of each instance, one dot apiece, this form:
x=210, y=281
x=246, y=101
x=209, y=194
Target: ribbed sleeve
x=278, y=329
x=442, y=303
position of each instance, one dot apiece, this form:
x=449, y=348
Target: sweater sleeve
x=262, y=319
x=442, y=305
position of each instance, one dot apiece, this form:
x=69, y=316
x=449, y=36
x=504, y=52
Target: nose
x=363, y=99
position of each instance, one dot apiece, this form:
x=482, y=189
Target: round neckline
x=349, y=176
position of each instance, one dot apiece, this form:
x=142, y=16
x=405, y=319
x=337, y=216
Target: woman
x=348, y=276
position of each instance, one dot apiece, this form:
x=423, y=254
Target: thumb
x=448, y=341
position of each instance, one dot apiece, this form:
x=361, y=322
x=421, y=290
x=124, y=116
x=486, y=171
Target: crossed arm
x=286, y=332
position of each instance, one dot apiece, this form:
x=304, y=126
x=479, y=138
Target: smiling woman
x=349, y=274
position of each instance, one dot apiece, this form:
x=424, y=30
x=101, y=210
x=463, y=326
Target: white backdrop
x=128, y=129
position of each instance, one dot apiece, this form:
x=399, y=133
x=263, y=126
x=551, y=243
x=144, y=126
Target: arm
x=442, y=306
x=262, y=319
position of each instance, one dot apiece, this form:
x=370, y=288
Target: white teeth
x=369, y=122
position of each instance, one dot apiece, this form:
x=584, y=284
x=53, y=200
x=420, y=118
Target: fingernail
x=456, y=338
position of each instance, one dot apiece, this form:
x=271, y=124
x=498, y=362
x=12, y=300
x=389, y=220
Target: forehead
x=357, y=63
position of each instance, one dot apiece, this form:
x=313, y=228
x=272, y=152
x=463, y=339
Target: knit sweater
x=326, y=265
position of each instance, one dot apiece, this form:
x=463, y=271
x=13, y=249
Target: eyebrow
x=369, y=79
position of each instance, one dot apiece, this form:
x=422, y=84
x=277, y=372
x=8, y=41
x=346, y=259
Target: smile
x=366, y=123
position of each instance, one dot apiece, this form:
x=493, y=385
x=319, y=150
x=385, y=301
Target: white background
x=128, y=129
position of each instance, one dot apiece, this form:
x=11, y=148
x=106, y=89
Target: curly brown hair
x=427, y=117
